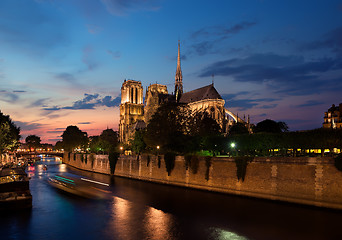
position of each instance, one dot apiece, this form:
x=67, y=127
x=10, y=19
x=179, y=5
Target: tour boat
x=80, y=187
x=14, y=188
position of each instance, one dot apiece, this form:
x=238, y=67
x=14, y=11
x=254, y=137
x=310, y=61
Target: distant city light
x=233, y=145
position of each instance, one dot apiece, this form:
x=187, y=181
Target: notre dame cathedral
x=135, y=114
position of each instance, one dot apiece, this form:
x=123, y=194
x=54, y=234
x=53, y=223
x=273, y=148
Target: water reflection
x=121, y=218
x=133, y=213
x=31, y=171
x=138, y=221
x=58, y=159
x=40, y=170
x=220, y=234
x=62, y=168
x=158, y=224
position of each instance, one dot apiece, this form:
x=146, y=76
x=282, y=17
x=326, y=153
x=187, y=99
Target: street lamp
x=159, y=162
x=233, y=145
x=121, y=148
x=158, y=150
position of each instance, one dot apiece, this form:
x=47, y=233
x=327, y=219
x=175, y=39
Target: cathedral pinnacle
x=178, y=77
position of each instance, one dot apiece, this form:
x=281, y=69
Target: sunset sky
x=62, y=62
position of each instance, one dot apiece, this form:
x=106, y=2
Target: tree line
x=174, y=129
x=75, y=139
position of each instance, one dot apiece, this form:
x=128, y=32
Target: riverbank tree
x=106, y=142
x=169, y=128
x=73, y=138
x=9, y=133
x=33, y=142
x=271, y=126
x=175, y=129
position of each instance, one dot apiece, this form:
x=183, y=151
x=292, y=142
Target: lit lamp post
x=158, y=156
x=121, y=149
x=233, y=145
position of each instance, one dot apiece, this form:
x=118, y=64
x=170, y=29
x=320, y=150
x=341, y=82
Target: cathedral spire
x=178, y=77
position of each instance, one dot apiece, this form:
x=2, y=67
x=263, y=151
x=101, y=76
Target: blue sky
x=62, y=62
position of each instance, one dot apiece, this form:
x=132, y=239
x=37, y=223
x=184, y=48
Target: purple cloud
x=290, y=75
x=90, y=101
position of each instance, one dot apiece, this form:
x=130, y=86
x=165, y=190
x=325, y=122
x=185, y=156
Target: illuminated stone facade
x=206, y=99
x=333, y=117
x=155, y=95
x=134, y=115
x=131, y=108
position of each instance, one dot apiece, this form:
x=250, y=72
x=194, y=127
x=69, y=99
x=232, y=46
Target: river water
x=142, y=210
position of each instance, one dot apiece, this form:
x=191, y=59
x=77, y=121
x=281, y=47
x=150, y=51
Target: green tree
x=271, y=126
x=33, y=141
x=169, y=128
x=9, y=133
x=59, y=145
x=204, y=125
x=108, y=140
x=238, y=128
x=73, y=137
x=138, y=144
x=206, y=133
x=94, y=144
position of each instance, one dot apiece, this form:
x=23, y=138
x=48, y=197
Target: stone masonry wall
x=90, y=162
x=312, y=181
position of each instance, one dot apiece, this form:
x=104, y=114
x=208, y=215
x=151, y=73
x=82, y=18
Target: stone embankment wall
x=312, y=181
x=88, y=162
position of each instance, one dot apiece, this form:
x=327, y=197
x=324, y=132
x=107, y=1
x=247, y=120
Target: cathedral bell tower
x=131, y=108
x=178, y=77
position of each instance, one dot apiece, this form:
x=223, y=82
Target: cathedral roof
x=207, y=92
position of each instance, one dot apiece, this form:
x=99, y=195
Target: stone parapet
x=311, y=181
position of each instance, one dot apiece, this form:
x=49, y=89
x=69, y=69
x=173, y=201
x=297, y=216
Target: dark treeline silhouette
x=264, y=144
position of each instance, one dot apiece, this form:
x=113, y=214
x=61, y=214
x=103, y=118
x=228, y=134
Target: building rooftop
x=207, y=92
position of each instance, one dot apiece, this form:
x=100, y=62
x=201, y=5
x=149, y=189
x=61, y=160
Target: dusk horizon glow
x=63, y=62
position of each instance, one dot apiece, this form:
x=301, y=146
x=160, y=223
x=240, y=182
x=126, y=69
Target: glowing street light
x=233, y=145
x=158, y=150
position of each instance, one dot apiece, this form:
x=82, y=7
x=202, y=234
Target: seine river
x=141, y=210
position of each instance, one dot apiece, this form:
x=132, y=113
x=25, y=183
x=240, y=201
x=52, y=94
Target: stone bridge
x=53, y=153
